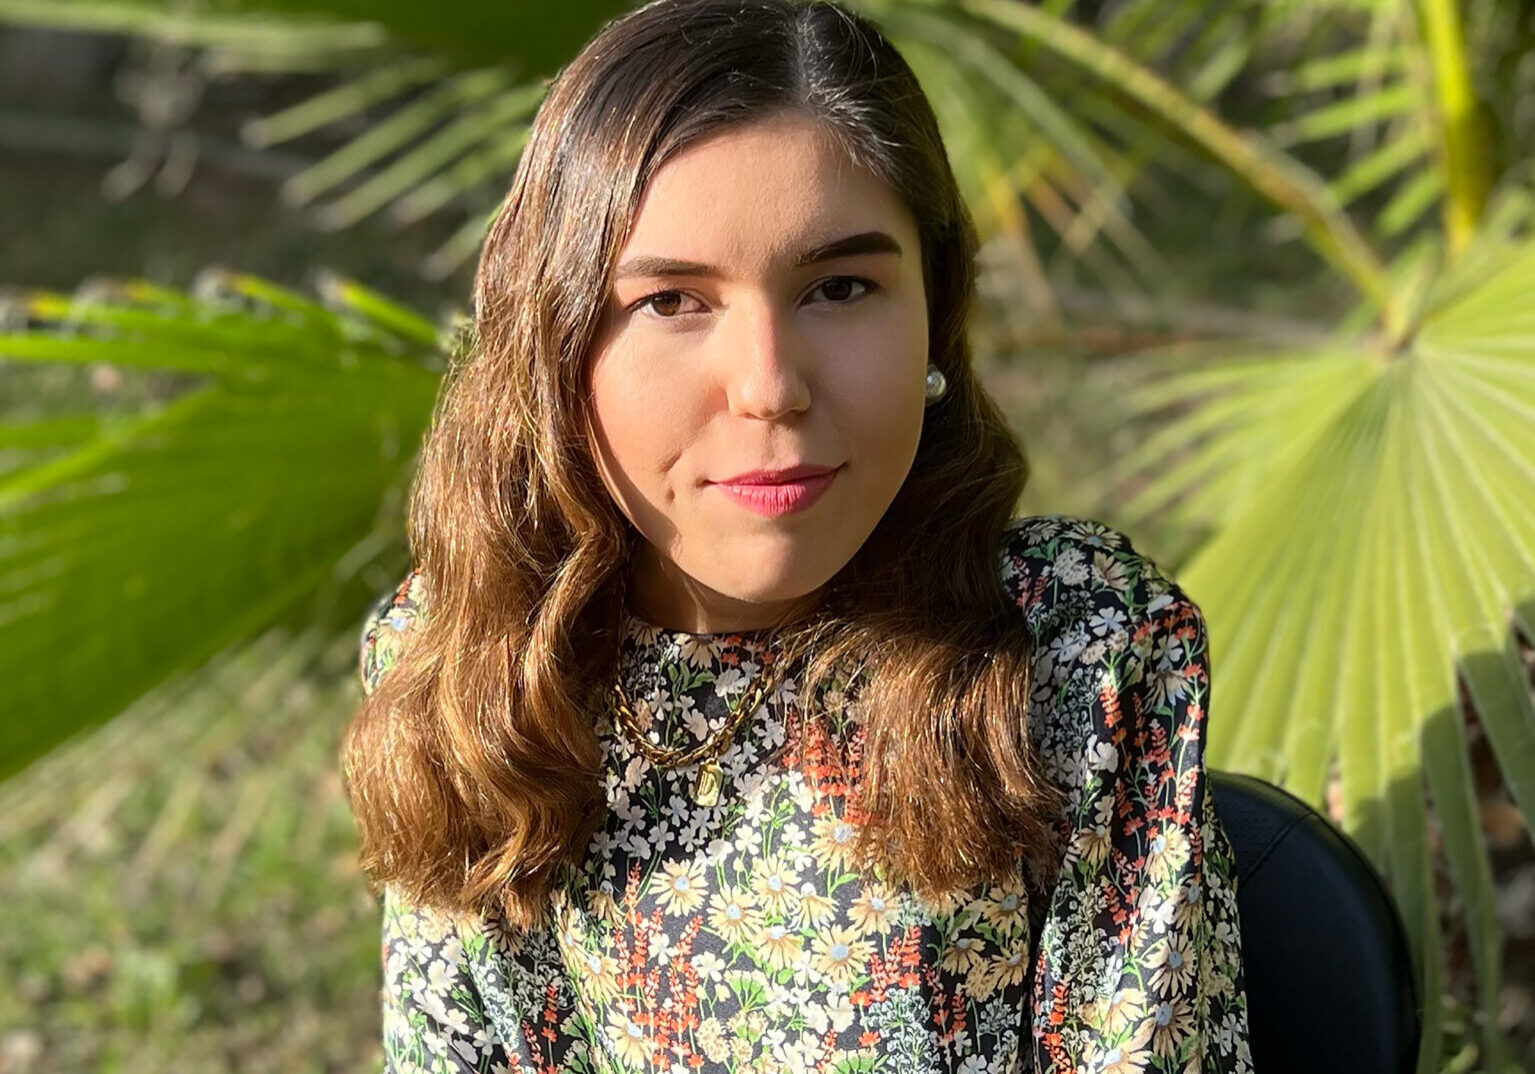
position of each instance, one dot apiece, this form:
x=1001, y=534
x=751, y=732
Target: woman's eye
x=664, y=303
x=843, y=288
x=835, y=289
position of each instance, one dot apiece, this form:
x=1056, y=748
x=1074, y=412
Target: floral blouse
x=739, y=936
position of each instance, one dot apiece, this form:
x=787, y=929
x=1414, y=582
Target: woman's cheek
x=642, y=403
x=883, y=392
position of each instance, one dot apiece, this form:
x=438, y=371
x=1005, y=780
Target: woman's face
x=757, y=384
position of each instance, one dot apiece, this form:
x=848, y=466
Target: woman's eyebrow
x=865, y=242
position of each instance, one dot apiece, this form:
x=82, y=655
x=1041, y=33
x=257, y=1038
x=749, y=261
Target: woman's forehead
x=774, y=190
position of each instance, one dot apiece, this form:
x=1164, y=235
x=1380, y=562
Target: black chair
x=1331, y=985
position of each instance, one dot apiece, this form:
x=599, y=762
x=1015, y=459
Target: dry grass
x=181, y=890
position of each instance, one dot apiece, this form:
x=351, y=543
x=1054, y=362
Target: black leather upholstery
x=1330, y=981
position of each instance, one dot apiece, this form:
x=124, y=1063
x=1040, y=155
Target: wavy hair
x=473, y=767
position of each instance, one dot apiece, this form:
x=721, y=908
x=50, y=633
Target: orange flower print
x=1091, y=844
x=597, y=972
x=835, y=838
x=1127, y=1057
x=1190, y=905
x=1007, y=908
x=1128, y=1007
x=1008, y=967
x=1174, y=1021
x=816, y=908
x=1167, y=853
x=1109, y=571
x=980, y=982
x=601, y=905
x=629, y=1039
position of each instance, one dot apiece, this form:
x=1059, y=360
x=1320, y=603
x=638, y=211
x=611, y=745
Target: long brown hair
x=473, y=767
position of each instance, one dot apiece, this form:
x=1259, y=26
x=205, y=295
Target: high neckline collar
x=637, y=626
x=681, y=683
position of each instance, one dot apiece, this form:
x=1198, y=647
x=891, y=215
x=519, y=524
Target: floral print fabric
x=740, y=936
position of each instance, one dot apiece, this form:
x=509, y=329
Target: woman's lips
x=782, y=493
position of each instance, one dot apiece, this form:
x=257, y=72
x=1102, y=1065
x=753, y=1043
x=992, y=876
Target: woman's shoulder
x=1121, y=653
x=1068, y=573
x=386, y=626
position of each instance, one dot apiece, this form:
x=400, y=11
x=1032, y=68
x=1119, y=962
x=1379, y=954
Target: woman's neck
x=665, y=597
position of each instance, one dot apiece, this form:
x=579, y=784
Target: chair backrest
x=1330, y=980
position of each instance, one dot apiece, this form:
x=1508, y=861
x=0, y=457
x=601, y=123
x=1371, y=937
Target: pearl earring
x=937, y=384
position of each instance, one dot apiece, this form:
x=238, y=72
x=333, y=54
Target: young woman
x=731, y=722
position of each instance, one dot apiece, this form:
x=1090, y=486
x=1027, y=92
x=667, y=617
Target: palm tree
x=1361, y=504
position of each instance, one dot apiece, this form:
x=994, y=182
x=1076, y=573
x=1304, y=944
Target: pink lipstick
x=778, y=492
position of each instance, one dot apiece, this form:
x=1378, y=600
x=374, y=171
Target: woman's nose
x=764, y=362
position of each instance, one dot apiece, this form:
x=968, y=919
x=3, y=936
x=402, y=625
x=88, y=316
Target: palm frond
x=247, y=28
x=1407, y=85
x=1277, y=176
x=1374, y=550
x=150, y=544
x=536, y=36
x=443, y=93
x=1011, y=135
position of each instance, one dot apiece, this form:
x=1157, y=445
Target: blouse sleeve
x=385, y=628
x=461, y=994
x=1139, y=962
x=435, y=1021
x=474, y=994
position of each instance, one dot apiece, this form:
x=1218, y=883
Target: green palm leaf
x=152, y=543
x=444, y=92
x=452, y=126
x=1374, y=548
x=538, y=35
x=1369, y=499
x=240, y=28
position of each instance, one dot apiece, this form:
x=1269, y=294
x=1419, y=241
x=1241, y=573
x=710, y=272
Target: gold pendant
x=706, y=785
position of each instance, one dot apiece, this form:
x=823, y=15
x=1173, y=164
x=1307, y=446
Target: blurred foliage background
x=1259, y=288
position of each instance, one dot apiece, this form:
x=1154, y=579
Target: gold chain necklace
x=710, y=777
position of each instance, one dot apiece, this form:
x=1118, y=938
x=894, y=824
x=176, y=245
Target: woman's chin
x=727, y=602
x=779, y=571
